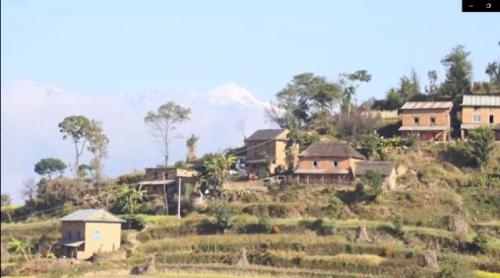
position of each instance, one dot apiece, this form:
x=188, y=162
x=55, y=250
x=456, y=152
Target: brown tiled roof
x=384, y=168
x=330, y=149
x=265, y=134
x=427, y=105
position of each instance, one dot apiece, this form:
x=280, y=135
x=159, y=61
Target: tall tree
x=493, y=71
x=164, y=121
x=98, y=146
x=29, y=189
x=5, y=199
x=75, y=127
x=350, y=82
x=191, y=148
x=458, y=74
x=49, y=166
x=306, y=95
x=431, y=88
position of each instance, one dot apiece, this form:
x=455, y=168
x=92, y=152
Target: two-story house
x=88, y=231
x=266, y=150
x=325, y=162
x=478, y=110
x=429, y=120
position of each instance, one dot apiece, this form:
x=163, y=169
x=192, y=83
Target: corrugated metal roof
x=321, y=171
x=155, y=182
x=423, y=128
x=427, y=105
x=472, y=126
x=91, y=215
x=473, y=100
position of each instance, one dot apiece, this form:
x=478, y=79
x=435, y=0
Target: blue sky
x=77, y=53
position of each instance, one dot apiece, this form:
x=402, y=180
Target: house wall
x=327, y=163
x=168, y=173
x=468, y=113
x=106, y=239
x=73, y=227
x=442, y=117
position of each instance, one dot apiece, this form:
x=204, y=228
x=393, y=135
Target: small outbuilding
x=386, y=169
x=88, y=231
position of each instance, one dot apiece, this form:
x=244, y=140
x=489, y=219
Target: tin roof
x=321, y=171
x=92, y=215
x=427, y=105
x=423, y=128
x=478, y=100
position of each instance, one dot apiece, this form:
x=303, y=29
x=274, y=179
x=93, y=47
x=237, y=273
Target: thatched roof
x=265, y=134
x=330, y=149
x=384, y=168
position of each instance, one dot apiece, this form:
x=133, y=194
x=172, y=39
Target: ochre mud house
x=478, y=110
x=429, y=120
x=266, y=150
x=326, y=162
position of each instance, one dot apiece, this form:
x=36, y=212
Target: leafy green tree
x=49, y=166
x=224, y=216
x=350, y=83
x=191, y=148
x=393, y=99
x=98, y=146
x=129, y=197
x=493, y=71
x=215, y=168
x=302, y=98
x=480, y=144
x=164, y=121
x=5, y=199
x=76, y=127
x=370, y=144
x=370, y=186
x=458, y=74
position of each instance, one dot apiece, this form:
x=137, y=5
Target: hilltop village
x=405, y=186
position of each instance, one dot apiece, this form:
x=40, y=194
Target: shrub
x=249, y=197
x=263, y=219
x=334, y=206
x=481, y=144
x=480, y=242
x=397, y=222
x=133, y=222
x=224, y=216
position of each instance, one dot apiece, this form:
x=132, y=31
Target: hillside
x=438, y=208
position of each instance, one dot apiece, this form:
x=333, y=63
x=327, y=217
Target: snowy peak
x=232, y=94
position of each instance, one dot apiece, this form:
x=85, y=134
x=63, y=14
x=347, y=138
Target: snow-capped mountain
x=233, y=94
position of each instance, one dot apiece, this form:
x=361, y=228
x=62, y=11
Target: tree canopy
x=49, y=166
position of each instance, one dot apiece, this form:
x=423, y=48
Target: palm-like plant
x=20, y=247
x=216, y=167
x=130, y=196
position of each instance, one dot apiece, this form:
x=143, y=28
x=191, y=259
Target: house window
x=96, y=235
x=492, y=119
x=433, y=120
x=68, y=235
x=77, y=234
x=335, y=163
x=315, y=164
x=416, y=120
x=476, y=118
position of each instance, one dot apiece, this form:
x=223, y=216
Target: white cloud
x=31, y=112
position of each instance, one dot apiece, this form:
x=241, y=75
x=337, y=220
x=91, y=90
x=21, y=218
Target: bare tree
x=29, y=188
x=164, y=121
x=98, y=146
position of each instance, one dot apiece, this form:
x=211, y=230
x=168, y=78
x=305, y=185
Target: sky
x=115, y=60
